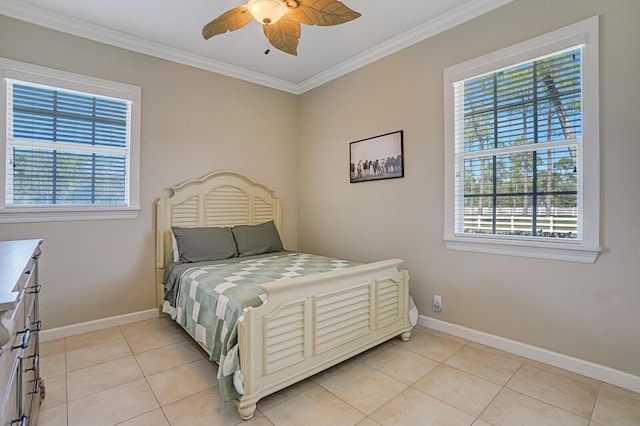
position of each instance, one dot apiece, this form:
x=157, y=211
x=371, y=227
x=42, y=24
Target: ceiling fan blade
x=284, y=35
x=231, y=20
x=322, y=12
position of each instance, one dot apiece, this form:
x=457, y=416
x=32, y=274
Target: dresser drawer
x=29, y=272
x=10, y=406
x=20, y=335
x=15, y=320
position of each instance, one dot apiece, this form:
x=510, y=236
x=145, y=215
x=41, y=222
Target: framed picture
x=379, y=157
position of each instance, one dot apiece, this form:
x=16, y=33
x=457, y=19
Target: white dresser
x=21, y=387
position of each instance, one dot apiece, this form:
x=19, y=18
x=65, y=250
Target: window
x=71, y=146
x=521, y=148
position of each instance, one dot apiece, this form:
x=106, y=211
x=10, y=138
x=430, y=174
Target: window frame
x=29, y=73
x=586, y=249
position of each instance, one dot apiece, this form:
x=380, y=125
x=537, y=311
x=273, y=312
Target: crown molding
x=466, y=12
x=45, y=18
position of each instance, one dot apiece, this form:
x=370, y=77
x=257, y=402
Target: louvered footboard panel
x=284, y=333
x=341, y=316
x=388, y=304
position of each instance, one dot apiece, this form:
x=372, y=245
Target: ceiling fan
x=281, y=19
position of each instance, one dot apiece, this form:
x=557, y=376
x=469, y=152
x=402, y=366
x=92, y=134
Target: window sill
x=564, y=251
x=62, y=214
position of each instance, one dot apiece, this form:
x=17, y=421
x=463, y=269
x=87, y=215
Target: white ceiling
x=171, y=29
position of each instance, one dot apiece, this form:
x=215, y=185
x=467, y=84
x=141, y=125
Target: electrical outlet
x=437, y=303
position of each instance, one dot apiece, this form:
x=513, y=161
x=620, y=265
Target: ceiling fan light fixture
x=283, y=32
x=267, y=12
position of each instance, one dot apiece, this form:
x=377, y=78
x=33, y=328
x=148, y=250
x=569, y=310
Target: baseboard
x=576, y=365
x=85, y=327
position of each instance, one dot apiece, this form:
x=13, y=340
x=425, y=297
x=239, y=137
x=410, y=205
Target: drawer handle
x=36, y=361
x=36, y=326
x=24, y=420
x=35, y=289
x=26, y=335
x=36, y=388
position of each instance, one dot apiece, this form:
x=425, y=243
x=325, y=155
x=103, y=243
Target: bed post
x=405, y=280
x=160, y=257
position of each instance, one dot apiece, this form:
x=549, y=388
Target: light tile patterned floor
x=151, y=374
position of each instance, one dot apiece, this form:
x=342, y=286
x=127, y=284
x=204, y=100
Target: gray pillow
x=257, y=239
x=206, y=243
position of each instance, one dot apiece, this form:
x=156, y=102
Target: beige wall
x=193, y=122
x=589, y=311
x=199, y=118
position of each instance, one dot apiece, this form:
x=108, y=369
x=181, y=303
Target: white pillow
x=174, y=246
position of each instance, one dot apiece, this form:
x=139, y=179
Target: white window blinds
x=66, y=147
x=518, y=148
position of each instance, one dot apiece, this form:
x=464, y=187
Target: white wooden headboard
x=217, y=199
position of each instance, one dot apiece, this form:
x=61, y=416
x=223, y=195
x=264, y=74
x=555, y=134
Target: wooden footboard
x=313, y=322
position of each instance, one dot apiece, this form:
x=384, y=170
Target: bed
x=300, y=325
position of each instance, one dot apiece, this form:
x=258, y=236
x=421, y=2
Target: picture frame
x=376, y=158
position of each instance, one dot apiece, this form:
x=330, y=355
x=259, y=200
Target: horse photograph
x=375, y=158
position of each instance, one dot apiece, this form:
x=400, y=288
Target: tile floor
x=151, y=373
